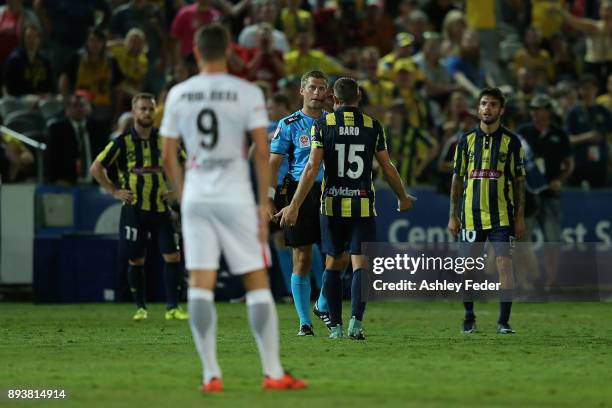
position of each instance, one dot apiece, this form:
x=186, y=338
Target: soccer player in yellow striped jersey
x=143, y=192
x=347, y=142
x=488, y=196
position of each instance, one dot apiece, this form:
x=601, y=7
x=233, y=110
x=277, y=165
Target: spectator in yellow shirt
x=417, y=108
x=303, y=59
x=544, y=19
x=132, y=59
x=606, y=99
x=18, y=158
x=379, y=90
x=535, y=59
x=293, y=20
x=403, y=49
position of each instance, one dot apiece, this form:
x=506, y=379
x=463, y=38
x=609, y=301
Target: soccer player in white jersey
x=212, y=112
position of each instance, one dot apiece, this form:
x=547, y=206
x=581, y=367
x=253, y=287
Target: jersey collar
x=498, y=132
x=302, y=114
x=137, y=138
x=348, y=109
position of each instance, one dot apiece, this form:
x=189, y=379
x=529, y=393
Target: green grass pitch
x=414, y=356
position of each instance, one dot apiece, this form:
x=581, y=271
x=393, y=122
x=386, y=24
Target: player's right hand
x=271, y=212
x=454, y=225
x=124, y=195
x=405, y=203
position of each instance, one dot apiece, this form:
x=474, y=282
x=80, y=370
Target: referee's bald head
x=346, y=90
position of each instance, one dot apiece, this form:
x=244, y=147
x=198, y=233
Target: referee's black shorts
x=307, y=230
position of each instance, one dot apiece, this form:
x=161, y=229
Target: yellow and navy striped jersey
x=488, y=164
x=140, y=167
x=349, y=140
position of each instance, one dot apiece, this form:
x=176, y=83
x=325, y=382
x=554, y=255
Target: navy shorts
x=500, y=238
x=340, y=234
x=136, y=225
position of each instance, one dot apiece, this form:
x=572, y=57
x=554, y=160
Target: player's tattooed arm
x=519, y=204
x=455, y=195
x=454, y=222
x=519, y=196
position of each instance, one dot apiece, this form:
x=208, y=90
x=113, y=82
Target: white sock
x=203, y=323
x=264, y=323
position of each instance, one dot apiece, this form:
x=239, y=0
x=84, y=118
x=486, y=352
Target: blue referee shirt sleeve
x=281, y=141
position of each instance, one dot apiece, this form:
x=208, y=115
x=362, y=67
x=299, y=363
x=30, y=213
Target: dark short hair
x=212, y=41
x=495, y=93
x=313, y=74
x=346, y=90
x=141, y=96
x=281, y=99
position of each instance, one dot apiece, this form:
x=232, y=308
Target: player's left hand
x=405, y=203
x=288, y=217
x=169, y=197
x=519, y=227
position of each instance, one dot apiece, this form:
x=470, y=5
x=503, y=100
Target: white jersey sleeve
x=258, y=115
x=169, y=125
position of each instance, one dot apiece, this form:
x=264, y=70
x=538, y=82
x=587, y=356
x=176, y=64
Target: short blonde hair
x=141, y=96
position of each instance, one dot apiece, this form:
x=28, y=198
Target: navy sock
x=357, y=305
x=172, y=279
x=322, y=301
x=136, y=280
x=333, y=292
x=469, y=310
x=318, y=266
x=504, y=312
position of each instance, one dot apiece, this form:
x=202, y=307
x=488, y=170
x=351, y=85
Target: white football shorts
x=214, y=228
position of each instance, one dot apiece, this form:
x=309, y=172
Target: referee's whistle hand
x=454, y=225
x=287, y=217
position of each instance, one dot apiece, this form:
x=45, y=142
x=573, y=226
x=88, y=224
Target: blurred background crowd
x=70, y=68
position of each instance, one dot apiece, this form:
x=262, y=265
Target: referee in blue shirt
x=292, y=140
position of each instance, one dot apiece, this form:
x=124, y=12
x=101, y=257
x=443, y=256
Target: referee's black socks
x=136, y=280
x=172, y=280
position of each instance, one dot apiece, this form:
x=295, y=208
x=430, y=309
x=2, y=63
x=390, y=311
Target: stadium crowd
x=70, y=69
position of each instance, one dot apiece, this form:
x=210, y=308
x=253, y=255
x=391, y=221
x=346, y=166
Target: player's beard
x=144, y=123
x=491, y=119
